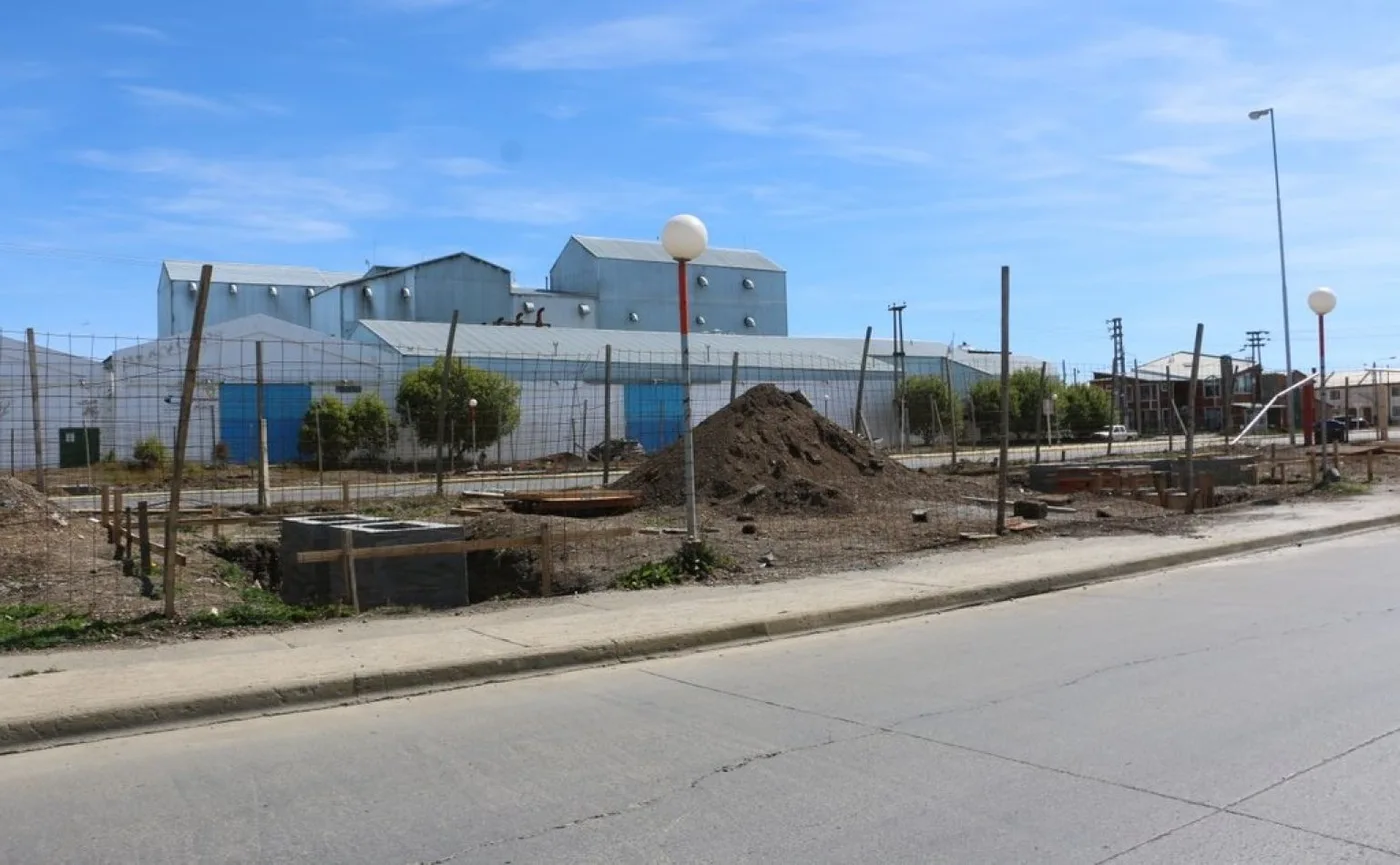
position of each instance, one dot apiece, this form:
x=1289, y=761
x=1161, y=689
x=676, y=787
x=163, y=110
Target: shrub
x=922, y=393
x=325, y=432
x=149, y=453
x=371, y=426
x=1085, y=408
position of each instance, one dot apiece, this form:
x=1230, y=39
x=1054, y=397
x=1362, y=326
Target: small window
x=348, y=388
x=1212, y=388
x=1334, y=393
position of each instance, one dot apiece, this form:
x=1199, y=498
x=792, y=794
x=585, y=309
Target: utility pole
x=1115, y=332
x=897, y=312
x=1254, y=342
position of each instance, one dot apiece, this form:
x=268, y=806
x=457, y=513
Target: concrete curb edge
x=348, y=689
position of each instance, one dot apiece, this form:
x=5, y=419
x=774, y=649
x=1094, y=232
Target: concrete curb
x=347, y=689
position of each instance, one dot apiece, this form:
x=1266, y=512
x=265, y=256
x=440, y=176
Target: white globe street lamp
x=471, y=412
x=684, y=238
x=1322, y=301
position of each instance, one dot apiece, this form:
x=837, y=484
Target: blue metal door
x=286, y=405
x=655, y=414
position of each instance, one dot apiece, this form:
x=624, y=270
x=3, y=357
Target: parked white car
x=1117, y=433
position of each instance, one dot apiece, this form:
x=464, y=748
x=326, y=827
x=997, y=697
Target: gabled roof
x=426, y=339
x=645, y=250
x=1179, y=362
x=376, y=273
x=261, y=326
x=258, y=274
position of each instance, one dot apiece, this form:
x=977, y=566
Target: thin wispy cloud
x=165, y=98
x=463, y=166
x=617, y=44
x=137, y=31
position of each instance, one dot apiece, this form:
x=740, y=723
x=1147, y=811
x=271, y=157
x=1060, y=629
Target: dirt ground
x=78, y=481
x=796, y=526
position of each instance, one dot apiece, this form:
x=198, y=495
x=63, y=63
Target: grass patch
x=258, y=606
x=35, y=626
x=1346, y=488
x=698, y=561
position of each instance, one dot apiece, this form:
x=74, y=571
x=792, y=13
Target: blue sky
x=883, y=150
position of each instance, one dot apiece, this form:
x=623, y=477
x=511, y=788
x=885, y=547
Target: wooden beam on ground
x=448, y=548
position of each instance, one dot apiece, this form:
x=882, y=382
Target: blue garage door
x=655, y=414
x=238, y=420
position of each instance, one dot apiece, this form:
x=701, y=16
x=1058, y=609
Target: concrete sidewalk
x=109, y=691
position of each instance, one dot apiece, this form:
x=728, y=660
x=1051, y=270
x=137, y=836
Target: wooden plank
x=447, y=548
x=130, y=536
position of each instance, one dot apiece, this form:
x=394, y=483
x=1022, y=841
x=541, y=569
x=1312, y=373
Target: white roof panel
x=644, y=250
x=259, y=274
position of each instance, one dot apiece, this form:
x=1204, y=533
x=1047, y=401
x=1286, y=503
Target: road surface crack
x=647, y=803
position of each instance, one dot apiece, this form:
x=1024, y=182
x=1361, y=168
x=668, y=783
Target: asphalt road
x=1242, y=712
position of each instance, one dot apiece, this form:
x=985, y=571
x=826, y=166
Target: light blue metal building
x=237, y=291
x=633, y=283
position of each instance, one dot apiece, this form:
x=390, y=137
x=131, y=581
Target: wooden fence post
x=546, y=561
x=607, y=414
x=345, y=495
x=217, y=512
x=143, y=526
x=347, y=550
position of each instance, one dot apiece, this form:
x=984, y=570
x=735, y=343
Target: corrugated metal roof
x=427, y=339
x=1180, y=364
x=645, y=250
x=259, y=274
x=387, y=271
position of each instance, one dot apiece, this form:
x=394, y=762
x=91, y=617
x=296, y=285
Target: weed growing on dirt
x=35, y=626
x=650, y=575
x=258, y=606
x=697, y=561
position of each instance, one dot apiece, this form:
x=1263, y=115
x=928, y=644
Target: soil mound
x=769, y=451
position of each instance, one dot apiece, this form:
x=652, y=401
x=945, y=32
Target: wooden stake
x=115, y=527
x=1191, y=426
x=182, y=433
x=261, y=430
x=36, y=411
x=546, y=561
x=1005, y=398
x=347, y=549
x=859, y=420
x=216, y=526
x=734, y=378
x=607, y=414
x=447, y=362
x=143, y=522
x=107, y=511
x=345, y=495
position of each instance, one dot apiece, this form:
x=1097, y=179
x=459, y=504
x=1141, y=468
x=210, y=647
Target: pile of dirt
x=770, y=451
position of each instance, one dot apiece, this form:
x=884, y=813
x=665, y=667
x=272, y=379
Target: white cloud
x=617, y=44
x=463, y=166
x=137, y=31
x=1178, y=160
x=282, y=200
x=164, y=97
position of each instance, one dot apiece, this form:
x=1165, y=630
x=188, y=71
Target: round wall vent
x=748, y=283
x=749, y=322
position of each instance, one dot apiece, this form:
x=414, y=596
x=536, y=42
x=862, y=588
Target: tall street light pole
x=1322, y=301
x=684, y=238
x=1282, y=271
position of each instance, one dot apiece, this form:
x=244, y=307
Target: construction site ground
x=58, y=573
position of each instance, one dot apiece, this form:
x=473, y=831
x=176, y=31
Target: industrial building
x=73, y=403
x=596, y=283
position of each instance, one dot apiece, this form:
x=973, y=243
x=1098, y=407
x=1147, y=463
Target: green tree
x=1027, y=396
x=1084, y=408
x=497, y=409
x=371, y=426
x=922, y=393
x=325, y=432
